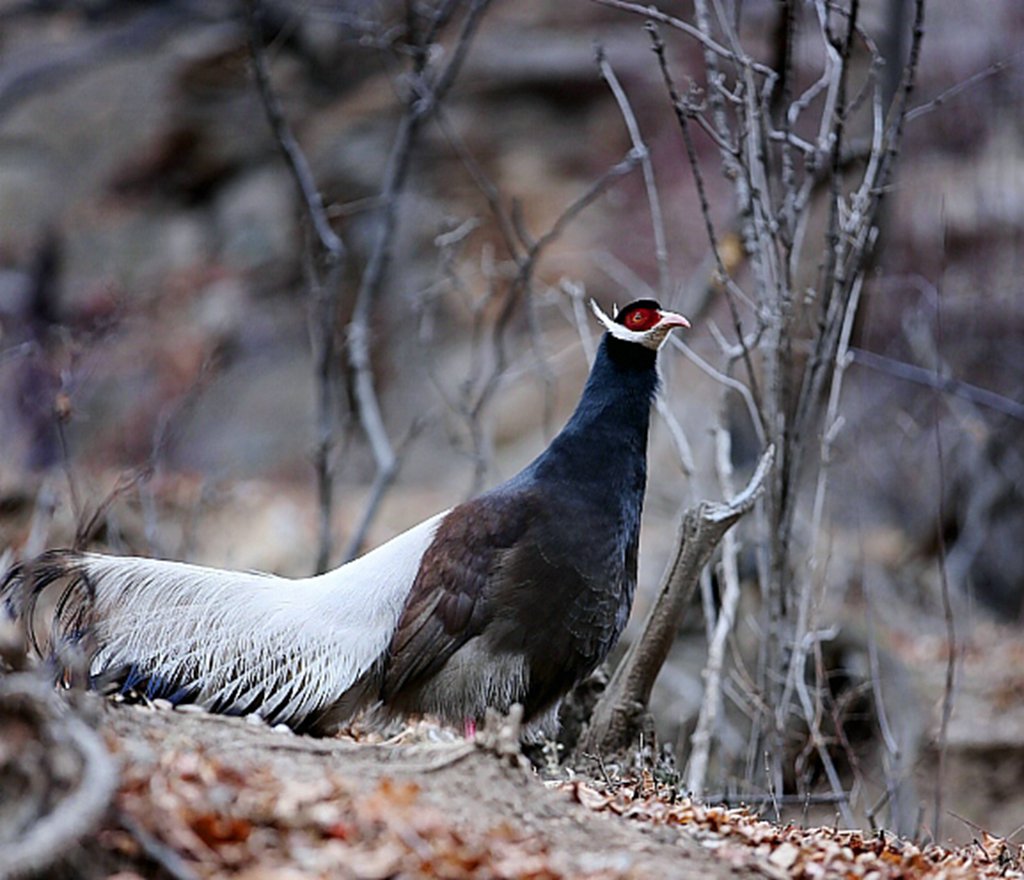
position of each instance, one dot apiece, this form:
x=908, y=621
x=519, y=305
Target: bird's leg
x=469, y=727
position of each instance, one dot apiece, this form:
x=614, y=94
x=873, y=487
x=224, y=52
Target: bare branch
x=814, y=721
x=679, y=440
x=962, y=86
x=422, y=102
x=577, y=294
x=696, y=771
x=623, y=707
x=332, y=247
x=938, y=381
x=947, y=612
x=526, y=263
x=652, y=13
x=651, y=188
x=727, y=381
x=730, y=287
x=324, y=265
x=594, y=191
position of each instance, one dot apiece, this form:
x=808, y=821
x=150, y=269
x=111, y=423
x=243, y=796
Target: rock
x=255, y=218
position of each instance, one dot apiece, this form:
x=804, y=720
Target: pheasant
x=512, y=597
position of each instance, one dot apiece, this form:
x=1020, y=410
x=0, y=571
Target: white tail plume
x=231, y=641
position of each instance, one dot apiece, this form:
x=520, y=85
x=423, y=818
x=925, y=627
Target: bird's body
x=512, y=597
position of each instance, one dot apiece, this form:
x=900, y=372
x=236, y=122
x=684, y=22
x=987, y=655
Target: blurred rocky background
x=158, y=337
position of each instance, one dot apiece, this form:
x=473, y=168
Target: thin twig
x=295, y=159
x=728, y=381
x=947, y=607
x=812, y=713
x=325, y=262
x=684, y=451
x=577, y=294
x=652, y=13
x=888, y=739
x=69, y=473
x=525, y=252
x=962, y=86
x=647, y=167
x=939, y=382
x=421, y=103
x=520, y=285
x=696, y=772
x=730, y=287
x=679, y=439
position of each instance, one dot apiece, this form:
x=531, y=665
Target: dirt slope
x=191, y=795
x=233, y=797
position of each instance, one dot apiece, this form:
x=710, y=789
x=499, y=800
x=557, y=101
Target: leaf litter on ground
x=743, y=838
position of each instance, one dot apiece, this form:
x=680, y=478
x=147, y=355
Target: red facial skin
x=642, y=319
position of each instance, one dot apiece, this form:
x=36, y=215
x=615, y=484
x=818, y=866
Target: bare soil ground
x=232, y=797
x=203, y=796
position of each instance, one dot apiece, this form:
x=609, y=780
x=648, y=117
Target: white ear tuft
x=617, y=330
x=609, y=324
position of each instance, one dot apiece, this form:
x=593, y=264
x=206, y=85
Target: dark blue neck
x=605, y=441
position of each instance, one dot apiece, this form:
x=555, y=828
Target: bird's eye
x=641, y=319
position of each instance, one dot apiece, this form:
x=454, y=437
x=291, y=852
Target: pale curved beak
x=671, y=319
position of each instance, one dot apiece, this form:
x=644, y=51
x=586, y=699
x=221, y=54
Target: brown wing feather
x=555, y=596
x=448, y=605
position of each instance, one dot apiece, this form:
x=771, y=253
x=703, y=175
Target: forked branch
x=621, y=714
x=429, y=87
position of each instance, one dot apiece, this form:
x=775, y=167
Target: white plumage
x=244, y=641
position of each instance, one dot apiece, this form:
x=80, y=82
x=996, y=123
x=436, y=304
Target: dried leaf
x=215, y=830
